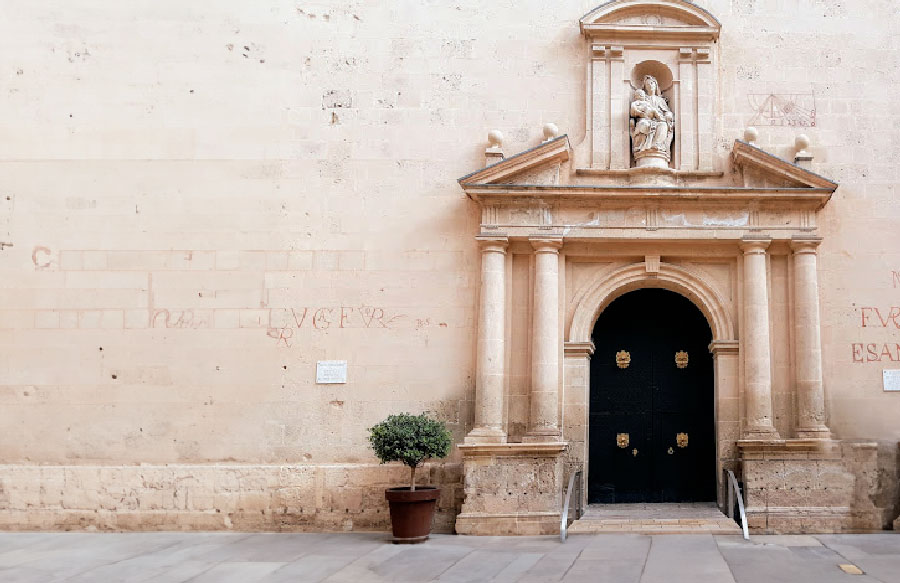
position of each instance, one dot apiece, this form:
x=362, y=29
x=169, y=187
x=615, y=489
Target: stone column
x=756, y=344
x=544, y=420
x=599, y=100
x=490, y=373
x=619, y=104
x=807, y=341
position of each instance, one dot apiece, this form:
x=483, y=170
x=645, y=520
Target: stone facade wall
x=200, y=201
x=215, y=497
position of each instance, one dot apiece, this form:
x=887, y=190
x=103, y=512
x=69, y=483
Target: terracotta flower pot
x=411, y=512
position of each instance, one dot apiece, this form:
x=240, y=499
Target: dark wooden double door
x=651, y=421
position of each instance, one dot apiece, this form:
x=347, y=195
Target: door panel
x=653, y=400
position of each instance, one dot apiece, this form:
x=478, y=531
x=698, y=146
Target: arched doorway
x=651, y=415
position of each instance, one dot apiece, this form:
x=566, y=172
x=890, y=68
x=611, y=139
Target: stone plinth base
x=511, y=488
x=810, y=486
x=652, y=158
x=524, y=523
x=247, y=497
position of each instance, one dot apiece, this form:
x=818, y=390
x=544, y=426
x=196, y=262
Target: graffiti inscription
x=783, y=109
x=283, y=321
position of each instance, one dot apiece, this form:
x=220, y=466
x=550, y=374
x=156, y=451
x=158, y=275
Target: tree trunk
x=412, y=478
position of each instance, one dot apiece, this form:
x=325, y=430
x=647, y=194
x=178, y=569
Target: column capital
x=493, y=243
x=584, y=349
x=718, y=347
x=755, y=244
x=548, y=244
x=801, y=244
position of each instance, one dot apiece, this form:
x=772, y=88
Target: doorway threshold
x=676, y=518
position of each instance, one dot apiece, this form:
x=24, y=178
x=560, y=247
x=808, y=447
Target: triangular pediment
x=762, y=169
x=538, y=165
x=659, y=18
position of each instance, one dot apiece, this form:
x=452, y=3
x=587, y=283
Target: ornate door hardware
x=623, y=359
x=634, y=452
x=682, y=439
x=622, y=440
x=681, y=359
x=671, y=451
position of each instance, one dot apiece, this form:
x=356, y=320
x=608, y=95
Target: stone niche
x=675, y=43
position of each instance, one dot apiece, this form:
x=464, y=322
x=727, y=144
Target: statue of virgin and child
x=651, y=123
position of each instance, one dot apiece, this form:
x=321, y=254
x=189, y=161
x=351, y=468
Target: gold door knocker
x=671, y=451
x=682, y=439
x=681, y=359
x=622, y=440
x=634, y=452
x=623, y=359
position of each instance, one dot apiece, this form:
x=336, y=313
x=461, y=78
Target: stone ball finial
x=751, y=134
x=550, y=131
x=495, y=139
x=801, y=142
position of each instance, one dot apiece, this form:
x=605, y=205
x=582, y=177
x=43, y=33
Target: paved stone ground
x=365, y=558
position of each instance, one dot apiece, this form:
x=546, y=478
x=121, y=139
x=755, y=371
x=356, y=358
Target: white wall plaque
x=330, y=372
x=891, y=380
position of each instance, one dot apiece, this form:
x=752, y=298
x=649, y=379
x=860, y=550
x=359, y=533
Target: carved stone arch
x=686, y=282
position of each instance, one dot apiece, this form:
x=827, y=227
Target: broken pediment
x=626, y=19
x=760, y=169
x=538, y=165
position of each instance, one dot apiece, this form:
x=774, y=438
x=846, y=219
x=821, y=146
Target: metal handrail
x=564, y=518
x=735, y=488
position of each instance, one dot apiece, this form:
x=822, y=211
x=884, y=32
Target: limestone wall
x=301, y=497
x=198, y=201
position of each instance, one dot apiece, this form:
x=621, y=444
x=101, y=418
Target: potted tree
x=410, y=439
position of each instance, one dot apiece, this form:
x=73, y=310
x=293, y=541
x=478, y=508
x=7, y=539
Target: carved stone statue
x=651, y=124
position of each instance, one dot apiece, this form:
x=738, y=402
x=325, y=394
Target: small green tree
x=410, y=439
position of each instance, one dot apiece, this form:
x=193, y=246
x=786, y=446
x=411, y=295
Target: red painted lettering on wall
x=871, y=317
x=885, y=352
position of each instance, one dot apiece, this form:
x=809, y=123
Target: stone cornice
x=555, y=150
x=513, y=449
x=785, y=445
x=695, y=23
x=743, y=153
x=500, y=193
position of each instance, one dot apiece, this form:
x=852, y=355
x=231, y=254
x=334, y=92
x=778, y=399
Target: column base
x=542, y=435
x=813, y=432
x=761, y=432
x=485, y=435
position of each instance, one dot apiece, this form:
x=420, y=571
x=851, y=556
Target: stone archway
x=578, y=350
x=684, y=281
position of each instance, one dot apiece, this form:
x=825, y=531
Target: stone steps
x=588, y=525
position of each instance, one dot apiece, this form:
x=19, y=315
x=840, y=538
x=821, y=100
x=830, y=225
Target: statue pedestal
x=652, y=158
x=512, y=488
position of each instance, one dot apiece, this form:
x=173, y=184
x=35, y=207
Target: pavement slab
x=371, y=558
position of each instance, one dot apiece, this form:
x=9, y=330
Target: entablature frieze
x=502, y=194
x=648, y=220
